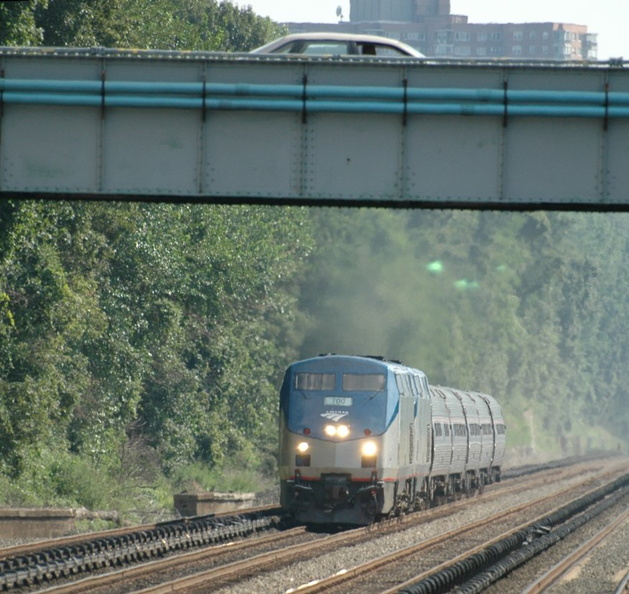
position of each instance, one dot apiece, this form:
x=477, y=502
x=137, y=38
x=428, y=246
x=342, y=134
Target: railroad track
x=347, y=578
x=40, y=546
x=303, y=546
x=187, y=534
x=452, y=571
x=67, y=557
x=572, y=563
x=480, y=568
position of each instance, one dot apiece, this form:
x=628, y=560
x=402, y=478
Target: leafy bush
x=198, y=477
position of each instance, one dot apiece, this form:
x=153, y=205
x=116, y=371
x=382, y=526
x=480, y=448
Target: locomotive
x=362, y=438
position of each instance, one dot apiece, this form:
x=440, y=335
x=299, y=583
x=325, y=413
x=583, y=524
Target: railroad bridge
x=234, y=128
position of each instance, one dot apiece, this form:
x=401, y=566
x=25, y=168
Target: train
x=363, y=438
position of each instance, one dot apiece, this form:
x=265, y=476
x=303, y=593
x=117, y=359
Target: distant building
x=429, y=26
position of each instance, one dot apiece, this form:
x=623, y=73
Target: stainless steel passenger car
x=469, y=441
x=363, y=437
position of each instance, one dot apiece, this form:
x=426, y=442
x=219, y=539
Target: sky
x=608, y=18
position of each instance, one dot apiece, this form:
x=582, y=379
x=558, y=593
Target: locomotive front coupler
x=379, y=486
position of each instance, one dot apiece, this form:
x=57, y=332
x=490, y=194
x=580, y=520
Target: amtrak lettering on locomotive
x=363, y=437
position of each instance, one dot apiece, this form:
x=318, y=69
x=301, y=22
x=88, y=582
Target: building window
x=495, y=51
x=516, y=50
x=461, y=36
x=533, y=35
x=481, y=51
x=545, y=35
x=532, y=50
x=496, y=36
x=481, y=36
x=517, y=36
x=463, y=50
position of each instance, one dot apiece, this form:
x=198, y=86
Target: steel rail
x=238, y=568
x=374, y=564
x=623, y=586
x=132, y=554
x=66, y=541
x=133, y=547
x=477, y=571
x=266, y=560
x=576, y=558
x=116, y=578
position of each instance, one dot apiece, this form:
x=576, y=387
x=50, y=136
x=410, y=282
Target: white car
x=338, y=44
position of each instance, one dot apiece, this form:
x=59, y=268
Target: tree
x=154, y=24
x=17, y=23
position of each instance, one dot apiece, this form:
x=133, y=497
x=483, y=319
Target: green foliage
x=199, y=478
x=164, y=322
x=17, y=23
x=153, y=24
x=77, y=481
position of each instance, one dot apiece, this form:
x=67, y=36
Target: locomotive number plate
x=337, y=401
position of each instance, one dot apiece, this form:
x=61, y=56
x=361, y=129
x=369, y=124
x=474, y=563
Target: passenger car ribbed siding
x=470, y=413
x=458, y=429
x=498, y=424
x=486, y=430
x=442, y=442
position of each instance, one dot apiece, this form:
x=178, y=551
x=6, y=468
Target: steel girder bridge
x=236, y=128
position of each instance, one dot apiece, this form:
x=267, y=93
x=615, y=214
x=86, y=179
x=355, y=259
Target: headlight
x=369, y=448
x=340, y=431
x=303, y=447
x=330, y=430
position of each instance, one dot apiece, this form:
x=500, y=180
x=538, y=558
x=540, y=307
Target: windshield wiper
x=374, y=395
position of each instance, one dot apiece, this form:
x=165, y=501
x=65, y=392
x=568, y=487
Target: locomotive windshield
x=359, y=383
x=317, y=398
x=314, y=381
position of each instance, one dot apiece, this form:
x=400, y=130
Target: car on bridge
x=338, y=44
